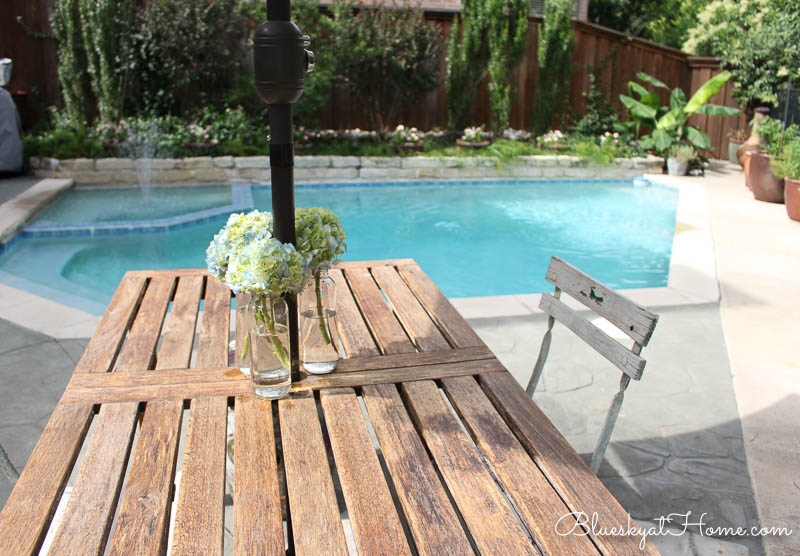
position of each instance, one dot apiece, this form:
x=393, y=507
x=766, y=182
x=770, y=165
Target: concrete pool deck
x=712, y=427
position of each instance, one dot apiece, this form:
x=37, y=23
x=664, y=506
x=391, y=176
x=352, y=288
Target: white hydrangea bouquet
x=245, y=257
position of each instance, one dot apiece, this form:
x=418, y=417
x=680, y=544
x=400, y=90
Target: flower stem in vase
x=320, y=311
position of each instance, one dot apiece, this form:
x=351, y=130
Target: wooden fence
x=34, y=82
x=592, y=42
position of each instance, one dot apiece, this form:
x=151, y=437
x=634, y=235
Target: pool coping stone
x=20, y=210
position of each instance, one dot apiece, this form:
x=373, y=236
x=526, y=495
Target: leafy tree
x=493, y=37
x=106, y=24
x=183, y=54
x=72, y=76
x=760, y=42
x=466, y=63
x=388, y=57
x=664, y=21
x=508, y=35
x=556, y=42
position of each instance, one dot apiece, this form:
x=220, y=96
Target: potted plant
x=736, y=138
x=765, y=185
x=678, y=160
x=553, y=140
x=406, y=139
x=473, y=138
x=789, y=169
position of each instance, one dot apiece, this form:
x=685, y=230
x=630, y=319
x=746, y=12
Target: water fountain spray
x=281, y=62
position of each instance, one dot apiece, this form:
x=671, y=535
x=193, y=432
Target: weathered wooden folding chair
x=8, y=467
x=637, y=322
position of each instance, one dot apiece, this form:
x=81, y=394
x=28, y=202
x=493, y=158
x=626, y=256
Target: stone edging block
x=256, y=169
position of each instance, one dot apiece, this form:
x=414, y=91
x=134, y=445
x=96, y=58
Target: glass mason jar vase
x=268, y=349
x=319, y=336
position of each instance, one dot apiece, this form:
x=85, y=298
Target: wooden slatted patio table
x=432, y=444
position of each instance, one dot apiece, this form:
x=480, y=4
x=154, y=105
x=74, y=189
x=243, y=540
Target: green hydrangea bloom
x=320, y=237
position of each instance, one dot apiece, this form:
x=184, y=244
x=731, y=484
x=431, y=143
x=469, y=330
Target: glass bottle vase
x=270, y=364
x=319, y=335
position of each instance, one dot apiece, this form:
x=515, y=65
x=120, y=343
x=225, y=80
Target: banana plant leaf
x=661, y=139
x=652, y=80
x=677, y=99
x=697, y=138
x=717, y=110
x=671, y=119
x=708, y=90
x=638, y=109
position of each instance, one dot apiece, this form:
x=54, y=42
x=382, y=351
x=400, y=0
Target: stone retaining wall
x=255, y=169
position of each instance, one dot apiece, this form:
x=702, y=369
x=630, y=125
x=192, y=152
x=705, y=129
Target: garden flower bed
x=256, y=169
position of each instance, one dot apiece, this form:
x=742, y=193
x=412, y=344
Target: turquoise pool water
x=472, y=238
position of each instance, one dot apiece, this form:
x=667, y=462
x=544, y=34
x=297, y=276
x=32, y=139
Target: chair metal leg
x=8, y=467
x=545, y=349
x=608, y=427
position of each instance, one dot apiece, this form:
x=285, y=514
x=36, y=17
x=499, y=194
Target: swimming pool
x=473, y=238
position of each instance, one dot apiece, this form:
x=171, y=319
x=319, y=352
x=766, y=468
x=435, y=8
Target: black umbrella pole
x=280, y=63
x=281, y=161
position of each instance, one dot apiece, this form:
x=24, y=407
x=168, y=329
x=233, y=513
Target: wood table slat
x=143, y=516
x=353, y=330
x=562, y=465
x=346, y=265
x=415, y=320
x=376, y=526
x=450, y=321
x=316, y=524
x=537, y=503
x=87, y=518
x=99, y=355
x=490, y=519
x=257, y=518
x=27, y=513
x=431, y=518
x=199, y=513
x=183, y=384
x=386, y=329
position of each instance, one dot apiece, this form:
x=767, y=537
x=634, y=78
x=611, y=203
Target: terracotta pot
x=746, y=167
x=754, y=142
x=733, y=150
x=765, y=186
x=792, y=194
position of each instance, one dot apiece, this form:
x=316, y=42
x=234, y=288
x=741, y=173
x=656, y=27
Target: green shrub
x=771, y=130
x=184, y=54
x=66, y=138
x=600, y=115
x=387, y=57
x=603, y=153
x=758, y=41
x=507, y=36
x=789, y=166
x=556, y=42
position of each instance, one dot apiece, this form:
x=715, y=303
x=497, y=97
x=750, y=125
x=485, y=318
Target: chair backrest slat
x=625, y=360
x=634, y=320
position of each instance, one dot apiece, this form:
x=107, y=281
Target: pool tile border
x=242, y=198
